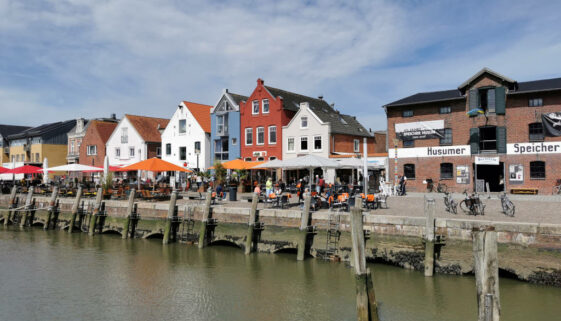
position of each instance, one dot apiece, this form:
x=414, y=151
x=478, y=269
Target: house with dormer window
x=225, y=127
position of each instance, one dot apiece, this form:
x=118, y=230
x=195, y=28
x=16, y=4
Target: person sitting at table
x=278, y=190
x=219, y=191
x=257, y=189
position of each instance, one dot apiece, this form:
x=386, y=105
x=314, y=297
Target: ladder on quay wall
x=187, y=225
x=85, y=215
x=333, y=235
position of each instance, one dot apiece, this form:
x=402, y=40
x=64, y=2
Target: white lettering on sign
x=435, y=151
x=534, y=148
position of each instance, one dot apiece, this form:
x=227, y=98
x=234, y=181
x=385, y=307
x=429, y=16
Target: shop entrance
x=492, y=174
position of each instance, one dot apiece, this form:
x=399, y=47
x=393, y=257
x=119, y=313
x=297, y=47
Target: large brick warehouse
x=490, y=130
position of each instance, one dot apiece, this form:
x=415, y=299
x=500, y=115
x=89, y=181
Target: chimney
x=320, y=97
x=79, y=125
x=332, y=105
x=114, y=116
x=260, y=81
x=304, y=104
x=226, y=90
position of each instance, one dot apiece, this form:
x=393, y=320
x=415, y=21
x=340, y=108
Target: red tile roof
x=104, y=129
x=148, y=127
x=201, y=114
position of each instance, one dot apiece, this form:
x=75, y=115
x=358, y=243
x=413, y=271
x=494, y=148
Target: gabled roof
x=103, y=128
x=238, y=98
x=291, y=101
x=45, y=129
x=7, y=130
x=480, y=73
x=427, y=97
x=201, y=114
x=147, y=127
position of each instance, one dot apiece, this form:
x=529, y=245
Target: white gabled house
x=186, y=140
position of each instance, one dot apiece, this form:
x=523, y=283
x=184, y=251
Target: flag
x=551, y=124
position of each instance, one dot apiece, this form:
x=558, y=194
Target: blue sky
x=63, y=59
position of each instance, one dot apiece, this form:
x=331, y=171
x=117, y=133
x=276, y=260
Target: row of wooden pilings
x=484, y=243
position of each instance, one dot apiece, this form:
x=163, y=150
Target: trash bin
x=233, y=191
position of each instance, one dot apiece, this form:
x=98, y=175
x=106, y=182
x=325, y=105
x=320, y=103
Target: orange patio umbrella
x=154, y=165
x=239, y=164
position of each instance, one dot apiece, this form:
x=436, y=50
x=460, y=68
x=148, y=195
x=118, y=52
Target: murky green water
x=56, y=276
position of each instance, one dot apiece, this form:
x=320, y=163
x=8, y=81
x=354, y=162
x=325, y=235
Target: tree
x=219, y=172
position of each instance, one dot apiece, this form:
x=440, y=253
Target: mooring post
x=172, y=217
x=486, y=273
x=12, y=203
x=429, y=236
x=304, y=223
x=358, y=204
x=251, y=225
x=367, y=309
x=204, y=224
x=95, y=213
x=51, y=210
x=130, y=207
x=27, y=210
x=75, y=208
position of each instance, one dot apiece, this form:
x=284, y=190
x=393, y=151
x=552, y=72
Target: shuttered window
x=500, y=100
x=501, y=139
x=474, y=140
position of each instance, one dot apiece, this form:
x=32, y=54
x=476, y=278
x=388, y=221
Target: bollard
x=27, y=206
x=75, y=207
x=251, y=228
x=172, y=216
x=367, y=308
x=95, y=214
x=429, y=236
x=12, y=203
x=51, y=210
x=304, y=223
x=204, y=224
x=486, y=273
x=130, y=207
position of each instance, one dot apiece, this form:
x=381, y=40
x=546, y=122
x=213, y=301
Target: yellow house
x=5, y=131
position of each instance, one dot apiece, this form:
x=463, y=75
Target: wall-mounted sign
x=533, y=148
x=462, y=174
x=435, y=151
x=420, y=130
x=259, y=154
x=516, y=173
x=483, y=160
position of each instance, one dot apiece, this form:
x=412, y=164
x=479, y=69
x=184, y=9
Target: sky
x=65, y=59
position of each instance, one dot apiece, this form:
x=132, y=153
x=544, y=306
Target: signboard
x=420, y=130
x=259, y=154
x=516, y=173
x=533, y=148
x=482, y=160
x=379, y=162
x=436, y=151
x=462, y=174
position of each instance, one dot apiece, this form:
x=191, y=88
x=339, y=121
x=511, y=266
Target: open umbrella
x=45, y=172
x=72, y=168
x=154, y=165
x=26, y=169
x=3, y=170
x=105, y=166
x=239, y=164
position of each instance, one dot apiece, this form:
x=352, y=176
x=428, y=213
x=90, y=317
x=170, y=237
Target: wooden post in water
x=486, y=273
x=95, y=213
x=358, y=204
x=26, y=211
x=75, y=208
x=172, y=217
x=51, y=210
x=251, y=225
x=12, y=203
x=130, y=207
x=204, y=224
x=367, y=309
x=304, y=223
x=429, y=236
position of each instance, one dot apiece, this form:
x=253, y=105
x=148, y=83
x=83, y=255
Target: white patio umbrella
x=45, y=171
x=72, y=168
x=105, y=166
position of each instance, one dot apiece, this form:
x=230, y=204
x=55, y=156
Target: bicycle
x=440, y=187
x=557, y=188
x=507, y=205
x=451, y=205
x=472, y=204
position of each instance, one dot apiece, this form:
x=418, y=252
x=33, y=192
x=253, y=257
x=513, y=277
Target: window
x=408, y=113
x=535, y=102
x=198, y=147
x=409, y=171
x=158, y=151
x=221, y=149
x=407, y=143
x=71, y=147
x=117, y=152
x=234, y=141
x=168, y=149
x=536, y=132
x=260, y=135
x=17, y=158
x=265, y=106
x=182, y=126
x=182, y=153
x=303, y=143
x=248, y=159
x=290, y=144
x=304, y=122
x=356, y=146
x=249, y=136
x=272, y=134
x=446, y=171
x=537, y=170
x=255, y=110
x=91, y=150
x=317, y=142
x=488, y=139
x=37, y=159
x=131, y=152
x=260, y=159
x=445, y=110
x=446, y=138
x=272, y=158
x=124, y=135
x=220, y=124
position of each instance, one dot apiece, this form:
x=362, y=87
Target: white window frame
x=250, y=130
x=356, y=143
x=321, y=143
x=179, y=127
x=302, y=121
x=293, y=150
x=263, y=106
x=269, y=138
x=91, y=151
x=131, y=152
x=257, y=136
x=254, y=104
x=308, y=144
x=124, y=135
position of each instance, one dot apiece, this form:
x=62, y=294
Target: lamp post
x=395, y=142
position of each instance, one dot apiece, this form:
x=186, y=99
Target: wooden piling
x=12, y=203
x=204, y=224
x=486, y=273
x=358, y=204
x=367, y=309
x=429, y=236
x=303, y=247
x=172, y=217
x=95, y=214
x=51, y=210
x=251, y=225
x=26, y=211
x=75, y=208
x=130, y=207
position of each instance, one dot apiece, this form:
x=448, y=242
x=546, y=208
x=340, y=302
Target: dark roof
x=538, y=85
x=291, y=101
x=7, y=130
x=45, y=129
x=485, y=71
x=427, y=97
x=238, y=98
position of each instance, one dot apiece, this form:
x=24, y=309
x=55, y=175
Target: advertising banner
x=552, y=124
x=516, y=173
x=462, y=174
x=420, y=130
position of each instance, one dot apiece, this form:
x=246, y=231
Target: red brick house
x=92, y=148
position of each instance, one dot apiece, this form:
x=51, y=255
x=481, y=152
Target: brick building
x=488, y=130
x=92, y=148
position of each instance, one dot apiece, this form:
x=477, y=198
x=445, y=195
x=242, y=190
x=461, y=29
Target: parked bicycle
x=451, y=205
x=440, y=187
x=557, y=187
x=508, y=206
x=472, y=204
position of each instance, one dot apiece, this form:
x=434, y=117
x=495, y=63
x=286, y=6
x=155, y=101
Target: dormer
x=486, y=92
